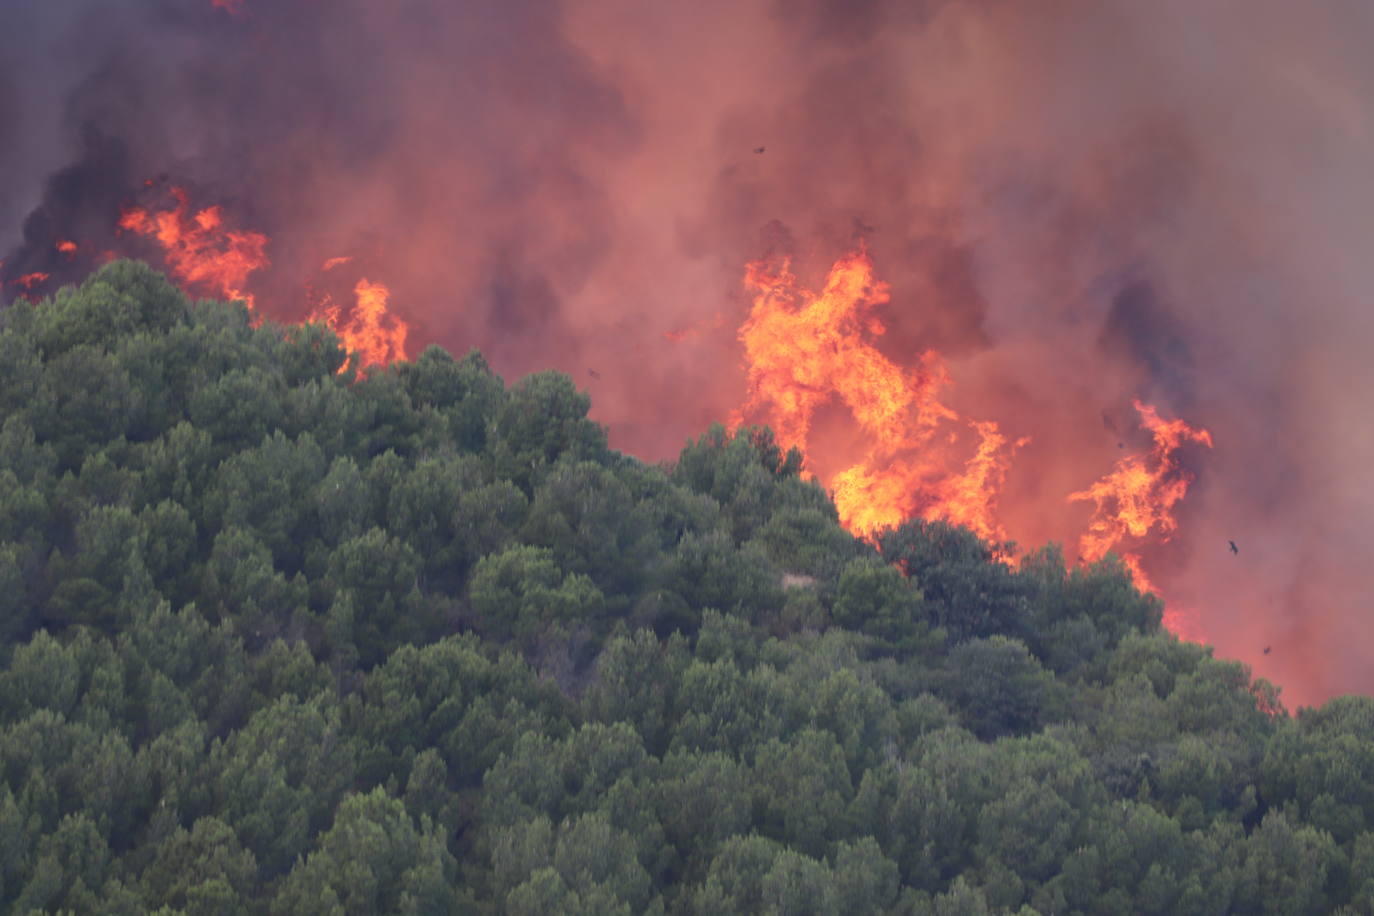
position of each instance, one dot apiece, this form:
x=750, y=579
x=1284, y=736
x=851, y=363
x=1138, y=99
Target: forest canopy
x=279, y=635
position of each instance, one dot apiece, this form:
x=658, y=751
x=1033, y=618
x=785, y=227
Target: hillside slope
x=280, y=638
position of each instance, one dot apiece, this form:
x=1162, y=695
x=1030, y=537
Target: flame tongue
x=1139, y=495
x=970, y=498
x=200, y=251
x=203, y=253
x=1137, y=499
x=806, y=350
x=370, y=330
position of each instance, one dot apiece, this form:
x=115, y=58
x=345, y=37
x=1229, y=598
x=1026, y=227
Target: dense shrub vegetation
x=279, y=638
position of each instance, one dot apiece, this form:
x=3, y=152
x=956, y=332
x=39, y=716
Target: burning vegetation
x=1052, y=229
x=369, y=329
x=912, y=632
x=905, y=454
x=805, y=350
x=202, y=252
x=271, y=628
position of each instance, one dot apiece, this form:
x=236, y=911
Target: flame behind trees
x=370, y=329
x=805, y=350
x=1136, y=501
x=1139, y=494
x=206, y=255
x=200, y=250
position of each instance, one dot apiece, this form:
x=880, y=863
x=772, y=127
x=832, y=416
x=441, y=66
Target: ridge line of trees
x=279, y=636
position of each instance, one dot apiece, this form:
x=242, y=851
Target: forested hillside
x=279, y=638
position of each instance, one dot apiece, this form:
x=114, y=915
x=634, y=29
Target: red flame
x=67, y=247
x=29, y=281
x=200, y=250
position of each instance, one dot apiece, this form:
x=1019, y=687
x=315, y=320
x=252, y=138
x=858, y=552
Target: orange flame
x=67, y=247
x=29, y=281
x=806, y=350
x=970, y=498
x=199, y=249
x=1137, y=498
x=371, y=331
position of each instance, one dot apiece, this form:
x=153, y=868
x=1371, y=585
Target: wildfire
x=200, y=250
x=805, y=350
x=29, y=281
x=970, y=498
x=1137, y=498
x=370, y=330
x=67, y=247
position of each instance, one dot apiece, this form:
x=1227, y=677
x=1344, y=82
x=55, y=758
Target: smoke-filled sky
x=1075, y=202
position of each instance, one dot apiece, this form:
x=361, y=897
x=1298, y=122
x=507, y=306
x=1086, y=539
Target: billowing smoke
x=1076, y=203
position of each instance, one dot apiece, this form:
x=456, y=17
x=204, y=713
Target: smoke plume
x=1076, y=203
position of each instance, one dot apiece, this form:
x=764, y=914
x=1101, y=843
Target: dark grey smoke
x=1140, y=329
